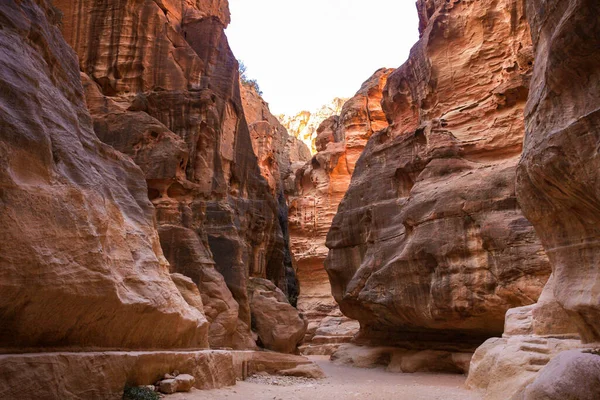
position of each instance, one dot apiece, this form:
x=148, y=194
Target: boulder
x=570, y=375
x=279, y=325
x=185, y=382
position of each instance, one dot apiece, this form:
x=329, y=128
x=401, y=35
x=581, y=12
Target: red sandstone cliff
x=429, y=247
x=81, y=264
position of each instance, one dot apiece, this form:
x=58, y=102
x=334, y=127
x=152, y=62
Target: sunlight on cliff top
x=303, y=54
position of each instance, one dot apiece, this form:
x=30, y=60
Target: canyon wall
x=304, y=124
x=320, y=186
x=429, y=247
x=81, y=264
x=162, y=86
x=539, y=355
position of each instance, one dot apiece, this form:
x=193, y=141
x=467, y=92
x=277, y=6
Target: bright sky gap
x=305, y=53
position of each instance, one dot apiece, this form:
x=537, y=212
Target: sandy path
x=347, y=383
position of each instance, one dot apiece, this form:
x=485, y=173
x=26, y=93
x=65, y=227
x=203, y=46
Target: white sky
x=303, y=53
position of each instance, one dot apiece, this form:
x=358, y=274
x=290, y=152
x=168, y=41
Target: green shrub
x=251, y=83
x=139, y=393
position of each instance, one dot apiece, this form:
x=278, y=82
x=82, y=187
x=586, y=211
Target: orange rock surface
x=320, y=186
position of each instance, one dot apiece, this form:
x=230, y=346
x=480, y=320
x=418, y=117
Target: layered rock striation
x=162, y=86
x=81, y=264
x=429, y=247
x=320, y=186
x=556, y=187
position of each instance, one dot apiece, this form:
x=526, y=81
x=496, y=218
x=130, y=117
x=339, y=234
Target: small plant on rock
x=139, y=393
x=251, y=83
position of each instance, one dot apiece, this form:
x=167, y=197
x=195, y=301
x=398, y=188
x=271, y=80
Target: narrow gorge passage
x=169, y=230
x=345, y=383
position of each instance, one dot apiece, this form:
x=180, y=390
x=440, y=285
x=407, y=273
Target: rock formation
x=81, y=264
x=279, y=154
x=320, y=186
x=557, y=190
x=429, y=247
x=304, y=125
x=163, y=87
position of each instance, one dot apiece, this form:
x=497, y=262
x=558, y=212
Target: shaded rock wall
x=429, y=247
x=81, y=264
x=556, y=185
x=163, y=87
x=557, y=174
x=320, y=186
x=279, y=156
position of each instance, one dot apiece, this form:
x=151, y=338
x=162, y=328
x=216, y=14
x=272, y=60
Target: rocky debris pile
x=266, y=379
x=175, y=382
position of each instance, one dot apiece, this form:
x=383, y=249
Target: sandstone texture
x=558, y=173
x=279, y=154
x=278, y=325
x=103, y=375
x=556, y=188
x=429, y=247
x=162, y=86
x=503, y=367
x=81, y=264
x=570, y=375
x=304, y=125
x=319, y=188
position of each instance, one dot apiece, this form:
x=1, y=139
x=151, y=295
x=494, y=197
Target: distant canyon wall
x=304, y=124
x=319, y=187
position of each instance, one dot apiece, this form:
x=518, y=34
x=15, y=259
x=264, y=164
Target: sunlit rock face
x=304, y=124
x=81, y=264
x=163, y=87
x=429, y=247
x=320, y=186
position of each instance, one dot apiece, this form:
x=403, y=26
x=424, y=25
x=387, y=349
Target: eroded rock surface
x=163, y=87
x=556, y=188
x=429, y=247
x=278, y=325
x=558, y=172
x=81, y=264
x=319, y=188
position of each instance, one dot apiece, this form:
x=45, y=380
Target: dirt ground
x=343, y=383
